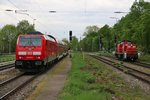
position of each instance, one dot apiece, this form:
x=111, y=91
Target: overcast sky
x=72, y=15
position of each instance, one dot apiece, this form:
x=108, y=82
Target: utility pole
x=115, y=35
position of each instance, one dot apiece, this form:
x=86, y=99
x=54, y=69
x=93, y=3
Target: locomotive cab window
x=129, y=42
x=30, y=41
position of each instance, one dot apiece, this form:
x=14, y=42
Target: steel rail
x=121, y=69
x=142, y=64
x=7, y=66
x=14, y=90
x=139, y=63
x=11, y=79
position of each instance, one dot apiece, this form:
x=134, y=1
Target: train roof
x=37, y=32
x=47, y=37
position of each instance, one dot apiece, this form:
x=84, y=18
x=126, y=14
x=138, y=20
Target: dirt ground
x=53, y=82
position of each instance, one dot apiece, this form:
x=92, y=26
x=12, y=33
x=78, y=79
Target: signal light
x=70, y=38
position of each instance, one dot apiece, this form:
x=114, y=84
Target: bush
x=90, y=79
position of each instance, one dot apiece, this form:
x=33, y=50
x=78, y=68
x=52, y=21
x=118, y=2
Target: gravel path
x=52, y=83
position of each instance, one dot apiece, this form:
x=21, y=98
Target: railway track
x=11, y=79
x=142, y=64
x=15, y=84
x=4, y=67
x=126, y=69
x=139, y=63
x=11, y=86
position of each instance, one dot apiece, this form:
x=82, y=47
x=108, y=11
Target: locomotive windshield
x=126, y=41
x=30, y=41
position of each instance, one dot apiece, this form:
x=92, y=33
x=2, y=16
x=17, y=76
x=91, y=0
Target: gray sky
x=72, y=15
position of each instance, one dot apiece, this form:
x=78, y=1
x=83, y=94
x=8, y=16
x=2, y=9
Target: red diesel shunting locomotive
x=126, y=50
x=35, y=50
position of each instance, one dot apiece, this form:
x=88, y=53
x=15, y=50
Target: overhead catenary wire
x=13, y=4
x=20, y=11
x=84, y=10
x=10, y=15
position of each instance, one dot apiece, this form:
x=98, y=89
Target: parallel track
x=139, y=63
x=17, y=88
x=136, y=73
x=4, y=67
x=11, y=79
x=142, y=64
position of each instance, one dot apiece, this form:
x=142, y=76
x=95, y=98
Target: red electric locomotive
x=35, y=50
x=126, y=50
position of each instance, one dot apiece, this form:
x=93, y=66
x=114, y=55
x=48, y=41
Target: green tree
x=66, y=42
x=8, y=36
x=24, y=27
x=146, y=32
x=74, y=43
x=95, y=44
x=105, y=34
x=91, y=31
x=90, y=42
x=135, y=25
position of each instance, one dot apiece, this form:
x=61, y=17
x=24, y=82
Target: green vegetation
x=105, y=53
x=9, y=34
x=145, y=58
x=81, y=84
x=135, y=26
x=5, y=58
x=89, y=79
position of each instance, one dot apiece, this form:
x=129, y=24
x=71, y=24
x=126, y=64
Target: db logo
x=29, y=53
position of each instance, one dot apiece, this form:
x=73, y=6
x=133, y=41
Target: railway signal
x=70, y=36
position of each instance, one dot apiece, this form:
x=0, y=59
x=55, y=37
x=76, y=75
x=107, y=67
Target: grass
x=5, y=58
x=81, y=85
x=91, y=80
x=105, y=53
x=145, y=58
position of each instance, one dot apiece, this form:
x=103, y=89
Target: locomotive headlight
x=129, y=46
x=36, y=53
x=38, y=57
x=22, y=53
x=20, y=57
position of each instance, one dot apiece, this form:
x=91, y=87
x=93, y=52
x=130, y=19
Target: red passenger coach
x=35, y=50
